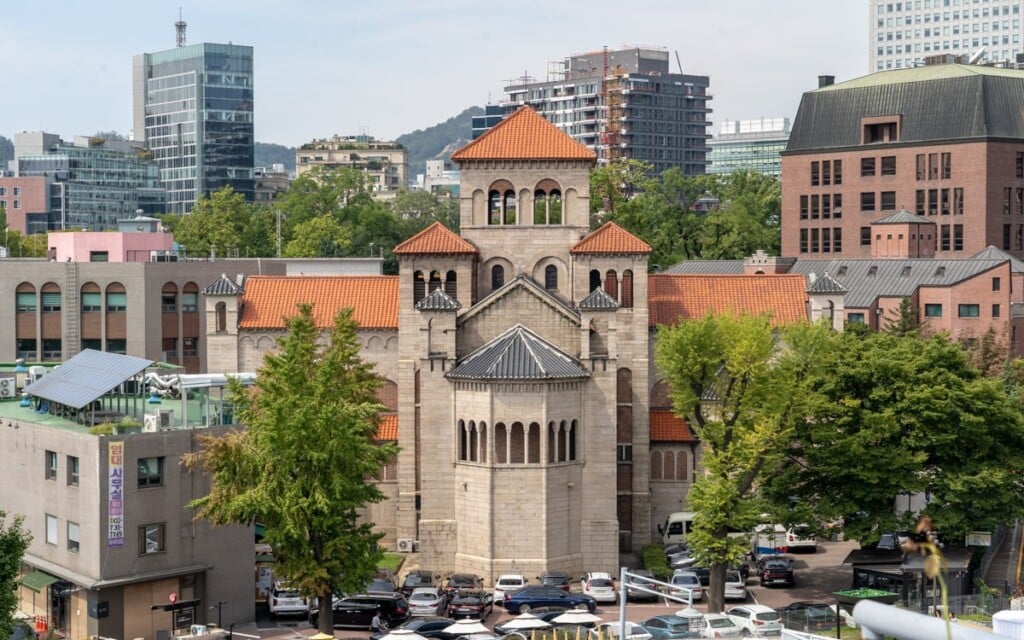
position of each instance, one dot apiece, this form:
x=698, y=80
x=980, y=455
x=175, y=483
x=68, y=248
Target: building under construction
x=622, y=104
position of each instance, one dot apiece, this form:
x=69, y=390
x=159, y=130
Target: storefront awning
x=38, y=580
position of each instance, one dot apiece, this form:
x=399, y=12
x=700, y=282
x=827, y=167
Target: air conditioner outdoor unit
x=151, y=423
x=7, y=388
x=406, y=545
x=165, y=417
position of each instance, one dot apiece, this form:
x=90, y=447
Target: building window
x=99, y=256
x=888, y=165
x=996, y=284
x=803, y=207
x=52, y=349
x=995, y=310
x=222, y=317
x=933, y=310
x=623, y=453
x=867, y=201
x=169, y=302
x=51, y=529
x=855, y=318
x=17, y=191
x=117, y=301
x=919, y=202
x=51, y=302
x=151, y=472
x=17, y=204
x=151, y=538
x=837, y=205
x=117, y=345
x=73, y=470
x=958, y=201
x=803, y=241
x=73, y=537
x=958, y=237
x=189, y=302
x=814, y=241
x=815, y=173
x=815, y=207
x=551, y=277
x=947, y=166
x=189, y=348
x=837, y=239
x=867, y=167
x=933, y=201
x=1007, y=232
x=888, y=200
x=968, y=310
x=1020, y=165
x=865, y=236
x=26, y=302
x=837, y=172
x=92, y=302
x=826, y=172
x=880, y=132
x=50, y=459
x=933, y=166
x=497, y=277
x=920, y=166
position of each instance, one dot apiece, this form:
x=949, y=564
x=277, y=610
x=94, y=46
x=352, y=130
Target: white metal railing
x=877, y=620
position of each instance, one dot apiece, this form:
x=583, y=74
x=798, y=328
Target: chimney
x=826, y=81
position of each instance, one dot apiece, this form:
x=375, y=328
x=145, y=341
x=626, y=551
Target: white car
x=735, y=585
x=799, y=538
x=719, y=625
x=599, y=587
x=426, y=601
x=634, y=631
x=284, y=600
x=685, y=583
x=508, y=583
x=757, y=620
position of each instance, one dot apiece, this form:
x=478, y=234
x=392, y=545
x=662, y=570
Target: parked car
x=427, y=601
x=670, y=627
x=808, y=616
x=533, y=597
x=735, y=585
x=600, y=589
x=634, y=631
x=777, y=571
x=558, y=579
x=757, y=620
x=719, y=625
x=380, y=585
x=508, y=583
x=642, y=578
x=800, y=538
x=470, y=604
x=22, y=630
x=428, y=626
x=418, y=578
x=684, y=583
x=463, y=581
x=358, y=610
x=285, y=600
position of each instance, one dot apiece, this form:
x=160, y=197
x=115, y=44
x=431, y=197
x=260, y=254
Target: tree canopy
x=14, y=541
x=302, y=465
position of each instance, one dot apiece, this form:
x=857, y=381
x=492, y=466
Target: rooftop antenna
x=179, y=27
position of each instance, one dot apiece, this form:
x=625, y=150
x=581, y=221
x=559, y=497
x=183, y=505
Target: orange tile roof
x=268, y=300
x=387, y=428
x=666, y=427
x=611, y=238
x=435, y=239
x=672, y=297
x=524, y=135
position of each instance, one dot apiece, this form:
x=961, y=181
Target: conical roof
x=518, y=354
x=524, y=135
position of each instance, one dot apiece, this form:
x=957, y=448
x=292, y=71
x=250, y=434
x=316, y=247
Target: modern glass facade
x=753, y=145
x=194, y=108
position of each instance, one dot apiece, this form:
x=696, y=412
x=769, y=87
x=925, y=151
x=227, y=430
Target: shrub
x=656, y=562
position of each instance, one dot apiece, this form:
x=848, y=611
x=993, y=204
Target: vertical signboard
x=115, y=494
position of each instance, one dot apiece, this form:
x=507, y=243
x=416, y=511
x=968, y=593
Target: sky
x=326, y=67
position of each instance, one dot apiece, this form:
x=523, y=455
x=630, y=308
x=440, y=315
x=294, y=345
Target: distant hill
x=268, y=153
x=439, y=141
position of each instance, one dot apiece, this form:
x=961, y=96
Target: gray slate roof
x=903, y=217
x=86, y=377
x=598, y=300
x=223, y=286
x=826, y=284
x=706, y=267
x=991, y=253
x=438, y=300
x=518, y=354
x=938, y=102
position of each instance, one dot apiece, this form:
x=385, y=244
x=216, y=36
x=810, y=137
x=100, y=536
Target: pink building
x=109, y=246
x=23, y=198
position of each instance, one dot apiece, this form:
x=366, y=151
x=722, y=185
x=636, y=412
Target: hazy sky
x=325, y=67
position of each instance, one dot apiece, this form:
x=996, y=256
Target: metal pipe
x=878, y=621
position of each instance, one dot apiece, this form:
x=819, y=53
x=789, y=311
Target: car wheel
x=591, y=607
x=524, y=608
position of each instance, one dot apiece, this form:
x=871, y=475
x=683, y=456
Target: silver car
x=426, y=601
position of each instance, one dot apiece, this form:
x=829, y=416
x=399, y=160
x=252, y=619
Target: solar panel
x=86, y=377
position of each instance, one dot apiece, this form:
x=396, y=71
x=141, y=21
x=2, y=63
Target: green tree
x=220, y=223
x=321, y=191
x=302, y=464
x=747, y=219
x=321, y=237
x=740, y=389
x=902, y=415
x=419, y=209
x=14, y=541
x=616, y=183
x=907, y=320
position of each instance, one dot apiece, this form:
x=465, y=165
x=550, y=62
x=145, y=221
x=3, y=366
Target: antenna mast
x=179, y=27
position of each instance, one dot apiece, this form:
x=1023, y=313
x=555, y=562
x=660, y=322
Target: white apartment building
x=903, y=34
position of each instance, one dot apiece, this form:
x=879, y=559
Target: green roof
x=923, y=74
x=38, y=580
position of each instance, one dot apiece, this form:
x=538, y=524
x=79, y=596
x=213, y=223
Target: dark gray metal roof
x=903, y=217
x=867, y=280
x=223, y=286
x=706, y=267
x=86, y=377
x=438, y=300
x=991, y=253
x=826, y=284
x=937, y=102
x=518, y=354
x=598, y=300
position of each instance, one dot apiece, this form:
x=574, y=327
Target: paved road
x=818, y=575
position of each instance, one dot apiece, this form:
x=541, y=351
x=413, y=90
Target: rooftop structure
x=384, y=163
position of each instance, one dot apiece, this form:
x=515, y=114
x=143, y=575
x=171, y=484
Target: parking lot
x=818, y=575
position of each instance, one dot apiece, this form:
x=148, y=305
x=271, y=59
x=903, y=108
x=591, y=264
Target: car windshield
x=685, y=580
x=554, y=580
x=718, y=623
x=733, y=576
x=423, y=596
x=600, y=582
x=768, y=616
x=416, y=579
x=679, y=627
x=467, y=598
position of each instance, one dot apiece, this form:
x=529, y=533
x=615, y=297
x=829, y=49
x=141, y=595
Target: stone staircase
x=1002, y=567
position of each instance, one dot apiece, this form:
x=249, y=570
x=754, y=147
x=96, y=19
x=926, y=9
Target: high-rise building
x=621, y=104
x=749, y=144
x=904, y=34
x=193, y=108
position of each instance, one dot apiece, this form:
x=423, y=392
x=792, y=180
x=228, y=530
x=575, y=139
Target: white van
x=768, y=539
x=677, y=526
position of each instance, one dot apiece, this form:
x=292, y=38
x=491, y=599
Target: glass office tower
x=193, y=108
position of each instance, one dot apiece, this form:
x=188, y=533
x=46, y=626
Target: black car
x=538, y=596
x=463, y=582
x=777, y=571
x=808, y=616
x=470, y=604
x=380, y=585
x=418, y=578
x=427, y=626
x=358, y=611
x=558, y=579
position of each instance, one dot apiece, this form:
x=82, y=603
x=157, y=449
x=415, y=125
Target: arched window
x=500, y=444
x=540, y=207
x=497, y=277
x=117, y=299
x=494, y=207
x=25, y=298
x=435, y=281
x=669, y=468
x=572, y=441
x=626, y=300
x=555, y=207
x=190, y=298
x=681, y=470
x=510, y=207
x=533, y=444
x=595, y=280
x=419, y=287
x=51, y=297
x=655, y=466
x=462, y=440
x=552, y=442
x=517, y=446
x=451, y=285
x=472, y=442
x=501, y=203
x=563, y=445
x=169, y=298
x=222, y=317
x=550, y=277
x=483, y=441
x=92, y=298
x=611, y=284
x=547, y=203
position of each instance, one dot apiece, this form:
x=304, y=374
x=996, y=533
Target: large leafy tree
x=223, y=223
x=902, y=414
x=14, y=541
x=302, y=464
x=738, y=382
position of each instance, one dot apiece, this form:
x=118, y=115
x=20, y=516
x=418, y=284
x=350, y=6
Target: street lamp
x=219, y=604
